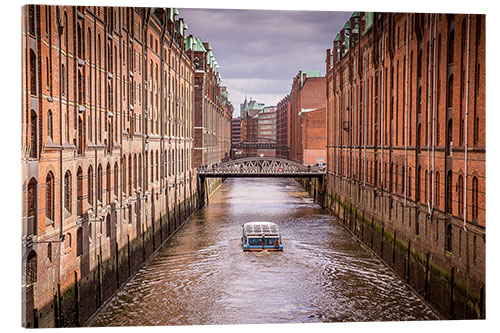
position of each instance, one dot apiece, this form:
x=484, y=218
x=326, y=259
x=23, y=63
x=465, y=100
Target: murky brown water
x=202, y=276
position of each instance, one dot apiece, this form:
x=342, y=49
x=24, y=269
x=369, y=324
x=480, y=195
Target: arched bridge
x=261, y=167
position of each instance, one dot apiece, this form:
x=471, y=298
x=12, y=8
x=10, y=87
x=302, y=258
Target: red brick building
x=307, y=93
x=249, y=111
x=406, y=143
x=313, y=131
x=108, y=119
x=212, y=109
x=283, y=128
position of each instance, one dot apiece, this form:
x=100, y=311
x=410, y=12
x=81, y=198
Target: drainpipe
x=433, y=117
x=364, y=125
x=337, y=129
x=354, y=119
x=382, y=116
x=346, y=113
x=428, y=180
x=406, y=111
x=466, y=122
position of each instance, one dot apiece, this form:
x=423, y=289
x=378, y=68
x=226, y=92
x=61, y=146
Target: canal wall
x=127, y=247
x=412, y=243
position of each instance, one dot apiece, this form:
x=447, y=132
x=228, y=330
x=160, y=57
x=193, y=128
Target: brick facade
x=406, y=133
x=108, y=118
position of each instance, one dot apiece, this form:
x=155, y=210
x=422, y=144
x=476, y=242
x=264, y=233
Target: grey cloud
x=257, y=45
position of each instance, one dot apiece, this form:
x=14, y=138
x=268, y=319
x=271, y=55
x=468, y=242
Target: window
x=79, y=242
x=32, y=73
x=460, y=190
x=31, y=18
x=99, y=183
x=79, y=191
x=32, y=207
x=475, y=205
x=108, y=225
x=33, y=151
x=115, y=185
x=90, y=189
x=67, y=191
x=49, y=126
x=449, y=192
x=108, y=184
x=49, y=196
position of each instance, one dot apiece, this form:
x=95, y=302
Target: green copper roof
x=347, y=25
x=198, y=45
x=337, y=38
x=185, y=26
x=188, y=43
x=176, y=11
x=356, y=14
x=369, y=20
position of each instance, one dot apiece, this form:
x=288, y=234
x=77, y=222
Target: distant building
x=249, y=111
x=308, y=93
x=283, y=128
x=313, y=131
x=235, y=135
x=267, y=131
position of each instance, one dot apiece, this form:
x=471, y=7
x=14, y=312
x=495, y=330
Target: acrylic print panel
x=150, y=135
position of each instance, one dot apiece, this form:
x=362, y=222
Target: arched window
x=79, y=191
x=31, y=268
x=33, y=90
x=99, y=183
x=49, y=196
x=135, y=172
x=108, y=184
x=449, y=192
x=140, y=171
x=49, y=126
x=32, y=196
x=124, y=174
x=115, y=185
x=460, y=190
x=33, y=152
x=67, y=191
x=129, y=174
x=90, y=179
x=475, y=201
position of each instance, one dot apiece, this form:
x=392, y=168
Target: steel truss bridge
x=261, y=167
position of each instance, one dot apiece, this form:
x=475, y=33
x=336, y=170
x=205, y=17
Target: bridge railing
x=261, y=166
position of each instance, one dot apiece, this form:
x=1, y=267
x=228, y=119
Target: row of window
x=395, y=183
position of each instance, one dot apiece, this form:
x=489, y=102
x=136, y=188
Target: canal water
x=202, y=276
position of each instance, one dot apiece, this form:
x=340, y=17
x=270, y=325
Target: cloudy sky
x=260, y=51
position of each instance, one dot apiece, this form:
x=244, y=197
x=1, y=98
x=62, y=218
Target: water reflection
x=202, y=276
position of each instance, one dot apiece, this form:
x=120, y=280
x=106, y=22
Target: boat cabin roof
x=260, y=229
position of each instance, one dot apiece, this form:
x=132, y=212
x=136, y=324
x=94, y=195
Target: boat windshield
x=258, y=241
